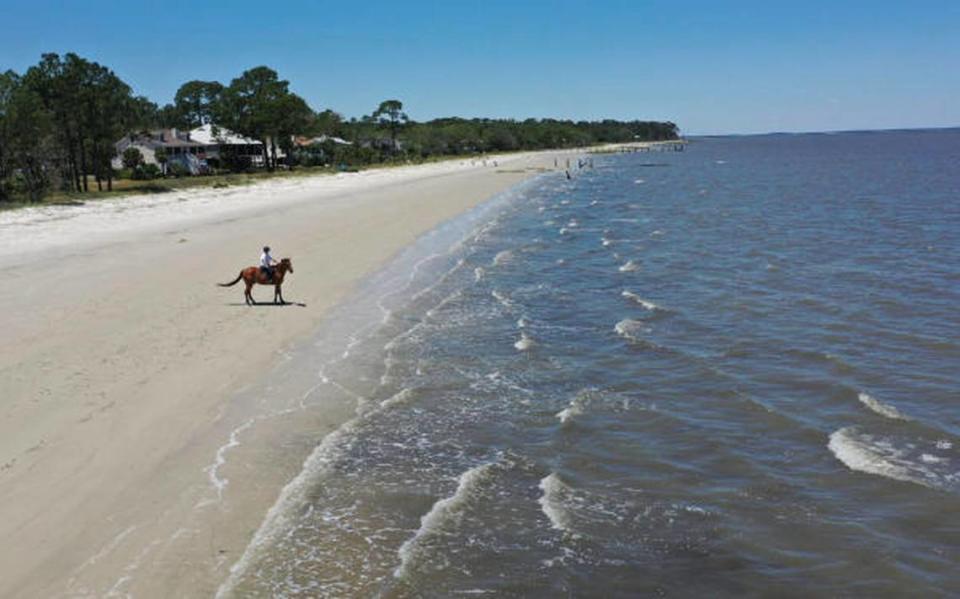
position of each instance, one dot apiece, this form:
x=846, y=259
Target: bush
x=178, y=170
x=145, y=172
x=237, y=164
x=132, y=158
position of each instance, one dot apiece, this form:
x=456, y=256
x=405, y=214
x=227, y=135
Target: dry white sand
x=120, y=358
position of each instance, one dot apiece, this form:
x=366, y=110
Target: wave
x=881, y=408
x=502, y=257
x=892, y=458
x=630, y=266
x=524, y=343
x=552, y=503
x=478, y=273
x=505, y=301
x=639, y=300
x=629, y=328
x=440, y=515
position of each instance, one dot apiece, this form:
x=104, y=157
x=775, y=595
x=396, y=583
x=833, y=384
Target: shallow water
x=731, y=370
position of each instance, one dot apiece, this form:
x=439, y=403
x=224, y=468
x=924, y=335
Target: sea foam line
x=219, y=484
x=639, y=300
x=440, y=513
x=881, y=408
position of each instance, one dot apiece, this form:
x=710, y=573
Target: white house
x=219, y=142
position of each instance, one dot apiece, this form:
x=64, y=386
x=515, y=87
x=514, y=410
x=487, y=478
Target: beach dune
x=120, y=357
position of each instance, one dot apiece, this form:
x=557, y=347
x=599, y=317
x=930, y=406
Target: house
x=176, y=145
x=196, y=150
x=220, y=143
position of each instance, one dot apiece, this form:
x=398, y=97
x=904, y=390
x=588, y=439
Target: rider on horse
x=267, y=262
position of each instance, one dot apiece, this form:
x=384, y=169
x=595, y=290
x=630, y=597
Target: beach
x=121, y=357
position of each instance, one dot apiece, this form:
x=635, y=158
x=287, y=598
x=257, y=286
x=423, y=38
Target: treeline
x=61, y=119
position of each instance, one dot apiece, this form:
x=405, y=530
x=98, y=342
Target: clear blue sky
x=710, y=66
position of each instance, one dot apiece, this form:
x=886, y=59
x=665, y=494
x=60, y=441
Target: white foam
x=639, y=181
x=400, y=398
x=606, y=242
x=883, y=457
x=441, y=513
x=576, y=407
x=551, y=502
x=629, y=328
x=524, y=343
x=881, y=408
x=219, y=484
x=639, y=300
x=478, y=273
x=630, y=266
x=505, y=301
x=502, y=257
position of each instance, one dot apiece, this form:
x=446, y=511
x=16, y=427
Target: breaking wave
x=639, y=300
x=552, y=504
x=443, y=512
x=908, y=461
x=881, y=408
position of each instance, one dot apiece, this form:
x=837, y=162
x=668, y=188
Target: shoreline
x=124, y=362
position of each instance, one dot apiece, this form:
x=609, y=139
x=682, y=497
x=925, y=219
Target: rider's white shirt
x=265, y=259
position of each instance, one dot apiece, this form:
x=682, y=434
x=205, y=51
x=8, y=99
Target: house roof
x=161, y=138
x=210, y=134
x=309, y=141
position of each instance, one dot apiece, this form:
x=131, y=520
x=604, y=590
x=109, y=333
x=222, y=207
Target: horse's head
x=286, y=264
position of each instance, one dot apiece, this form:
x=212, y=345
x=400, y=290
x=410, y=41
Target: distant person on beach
x=267, y=262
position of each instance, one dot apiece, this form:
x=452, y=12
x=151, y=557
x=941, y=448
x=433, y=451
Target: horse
x=254, y=275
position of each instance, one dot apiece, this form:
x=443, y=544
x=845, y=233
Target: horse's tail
x=233, y=282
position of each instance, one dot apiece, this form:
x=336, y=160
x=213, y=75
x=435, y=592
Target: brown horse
x=253, y=274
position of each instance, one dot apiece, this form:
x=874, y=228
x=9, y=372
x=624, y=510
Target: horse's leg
x=280, y=294
x=276, y=295
x=247, y=294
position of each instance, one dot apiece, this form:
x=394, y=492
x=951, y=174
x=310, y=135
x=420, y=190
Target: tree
x=330, y=123
x=160, y=155
x=195, y=102
x=27, y=135
x=259, y=105
x=132, y=158
x=390, y=113
x=90, y=108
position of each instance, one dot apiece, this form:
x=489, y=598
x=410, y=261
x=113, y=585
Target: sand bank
x=121, y=360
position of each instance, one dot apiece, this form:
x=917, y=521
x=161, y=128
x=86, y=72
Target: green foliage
x=195, y=102
x=146, y=172
x=176, y=169
x=61, y=119
x=132, y=158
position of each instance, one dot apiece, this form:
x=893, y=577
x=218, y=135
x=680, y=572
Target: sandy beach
x=121, y=360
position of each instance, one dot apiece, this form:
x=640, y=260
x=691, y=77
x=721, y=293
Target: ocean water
x=729, y=371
